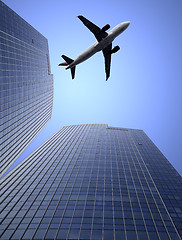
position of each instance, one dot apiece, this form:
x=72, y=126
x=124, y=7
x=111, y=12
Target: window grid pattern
x=166, y=179
x=26, y=85
x=89, y=182
x=159, y=210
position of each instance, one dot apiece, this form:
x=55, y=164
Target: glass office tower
x=26, y=85
x=93, y=182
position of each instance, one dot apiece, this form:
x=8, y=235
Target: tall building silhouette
x=93, y=182
x=26, y=85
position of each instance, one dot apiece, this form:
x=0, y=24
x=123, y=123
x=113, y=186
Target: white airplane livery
x=104, y=43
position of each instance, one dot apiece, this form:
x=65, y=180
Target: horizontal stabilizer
x=67, y=59
x=73, y=72
x=67, y=63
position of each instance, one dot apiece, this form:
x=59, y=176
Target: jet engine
x=106, y=27
x=115, y=49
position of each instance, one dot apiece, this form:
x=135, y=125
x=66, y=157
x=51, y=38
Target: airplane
x=104, y=43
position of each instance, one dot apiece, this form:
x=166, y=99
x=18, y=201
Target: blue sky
x=145, y=87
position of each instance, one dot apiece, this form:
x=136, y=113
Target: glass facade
x=26, y=85
x=93, y=182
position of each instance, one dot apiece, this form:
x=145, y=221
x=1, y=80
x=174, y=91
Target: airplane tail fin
x=68, y=62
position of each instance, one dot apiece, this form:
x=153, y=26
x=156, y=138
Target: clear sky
x=145, y=87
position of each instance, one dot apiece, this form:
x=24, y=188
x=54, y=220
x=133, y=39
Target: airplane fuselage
x=98, y=46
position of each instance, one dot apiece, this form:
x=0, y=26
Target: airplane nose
x=127, y=23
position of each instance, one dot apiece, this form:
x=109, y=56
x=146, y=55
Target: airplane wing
x=98, y=33
x=107, y=56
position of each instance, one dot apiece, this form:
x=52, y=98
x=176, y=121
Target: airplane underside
x=104, y=43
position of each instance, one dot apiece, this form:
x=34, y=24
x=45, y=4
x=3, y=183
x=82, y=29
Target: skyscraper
x=93, y=182
x=26, y=85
